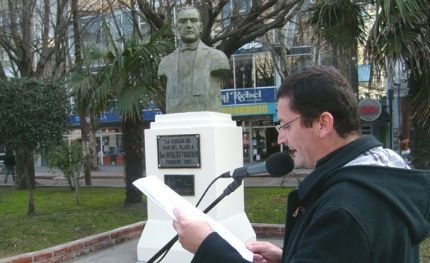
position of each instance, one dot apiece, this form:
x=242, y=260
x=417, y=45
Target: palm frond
x=401, y=32
x=339, y=23
x=420, y=87
x=131, y=73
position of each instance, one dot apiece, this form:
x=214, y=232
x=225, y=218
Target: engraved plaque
x=183, y=184
x=178, y=151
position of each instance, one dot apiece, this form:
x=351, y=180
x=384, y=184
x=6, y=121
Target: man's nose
x=282, y=139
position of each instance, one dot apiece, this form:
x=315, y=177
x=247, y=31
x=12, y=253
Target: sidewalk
x=126, y=252
x=113, y=176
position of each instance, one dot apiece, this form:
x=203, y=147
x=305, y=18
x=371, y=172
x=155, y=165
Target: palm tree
x=399, y=31
x=83, y=81
x=130, y=78
x=419, y=85
x=340, y=25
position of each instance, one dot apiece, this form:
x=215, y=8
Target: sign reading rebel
x=178, y=151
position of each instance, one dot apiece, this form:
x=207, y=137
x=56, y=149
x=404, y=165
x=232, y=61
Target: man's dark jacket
x=348, y=214
x=9, y=160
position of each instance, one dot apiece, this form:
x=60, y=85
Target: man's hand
x=265, y=252
x=191, y=232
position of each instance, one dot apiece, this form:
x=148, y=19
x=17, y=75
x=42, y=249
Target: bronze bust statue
x=193, y=70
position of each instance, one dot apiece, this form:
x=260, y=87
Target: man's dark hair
x=317, y=89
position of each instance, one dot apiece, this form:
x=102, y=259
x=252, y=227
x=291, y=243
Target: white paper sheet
x=167, y=200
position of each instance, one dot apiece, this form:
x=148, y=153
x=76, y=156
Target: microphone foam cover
x=279, y=164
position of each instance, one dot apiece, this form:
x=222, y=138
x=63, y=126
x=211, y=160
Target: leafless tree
x=34, y=40
x=32, y=37
x=228, y=24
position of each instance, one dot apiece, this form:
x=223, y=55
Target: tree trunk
x=2, y=72
x=19, y=169
x=86, y=148
x=77, y=190
x=82, y=113
x=70, y=179
x=419, y=83
x=25, y=168
x=133, y=142
x=353, y=69
x=26, y=158
x=31, y=211
x=93, y=142
x=420, y=145
x=346, y=63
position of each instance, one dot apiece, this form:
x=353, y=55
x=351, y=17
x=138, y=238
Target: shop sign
x=248, y=96
x=370, y=109
x=149, y=115
x=252, y=47
x=113, y=117
x=243, y=110
x=105, y=117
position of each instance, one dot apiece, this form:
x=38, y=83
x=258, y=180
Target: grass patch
x=59, y=219
x=266, y=204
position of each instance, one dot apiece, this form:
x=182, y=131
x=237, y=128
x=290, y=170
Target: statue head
x=189, y=24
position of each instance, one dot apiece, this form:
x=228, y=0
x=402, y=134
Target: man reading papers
x=362, y=203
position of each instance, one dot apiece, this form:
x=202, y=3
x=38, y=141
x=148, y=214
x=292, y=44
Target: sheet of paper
x=167, y=200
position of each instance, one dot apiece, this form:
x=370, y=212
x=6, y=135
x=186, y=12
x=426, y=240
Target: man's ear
x=326, y=124
x=201, y=28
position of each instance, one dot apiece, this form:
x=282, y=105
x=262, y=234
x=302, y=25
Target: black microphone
x=277, y=164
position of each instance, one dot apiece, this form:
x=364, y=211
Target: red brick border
x=269, y=230
x=69, y=251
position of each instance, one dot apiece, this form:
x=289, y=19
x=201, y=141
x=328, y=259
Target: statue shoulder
x=217, y=58
x=166, y=62
x=213, y=51
x=170, y=57
x=219, y=53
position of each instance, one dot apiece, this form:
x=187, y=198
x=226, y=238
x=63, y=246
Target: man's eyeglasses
x=279, y=127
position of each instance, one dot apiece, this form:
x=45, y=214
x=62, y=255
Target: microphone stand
x=228, y=190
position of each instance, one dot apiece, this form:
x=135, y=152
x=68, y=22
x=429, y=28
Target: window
x=265, y=74
x=243, y=71
x=228, y=80
x=92, y=30
x=229, y=8
x=251, y=70
x=366, y=130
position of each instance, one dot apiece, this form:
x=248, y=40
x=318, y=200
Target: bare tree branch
x=244, y=26
x=118, y=29
x=154, y=19
x=44, y=55
x=2, y=72
x=59, y=50
x=26, y=61
x=255, y=24
x=13, y=22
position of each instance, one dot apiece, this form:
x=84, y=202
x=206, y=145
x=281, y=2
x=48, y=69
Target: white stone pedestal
x=220, y=151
